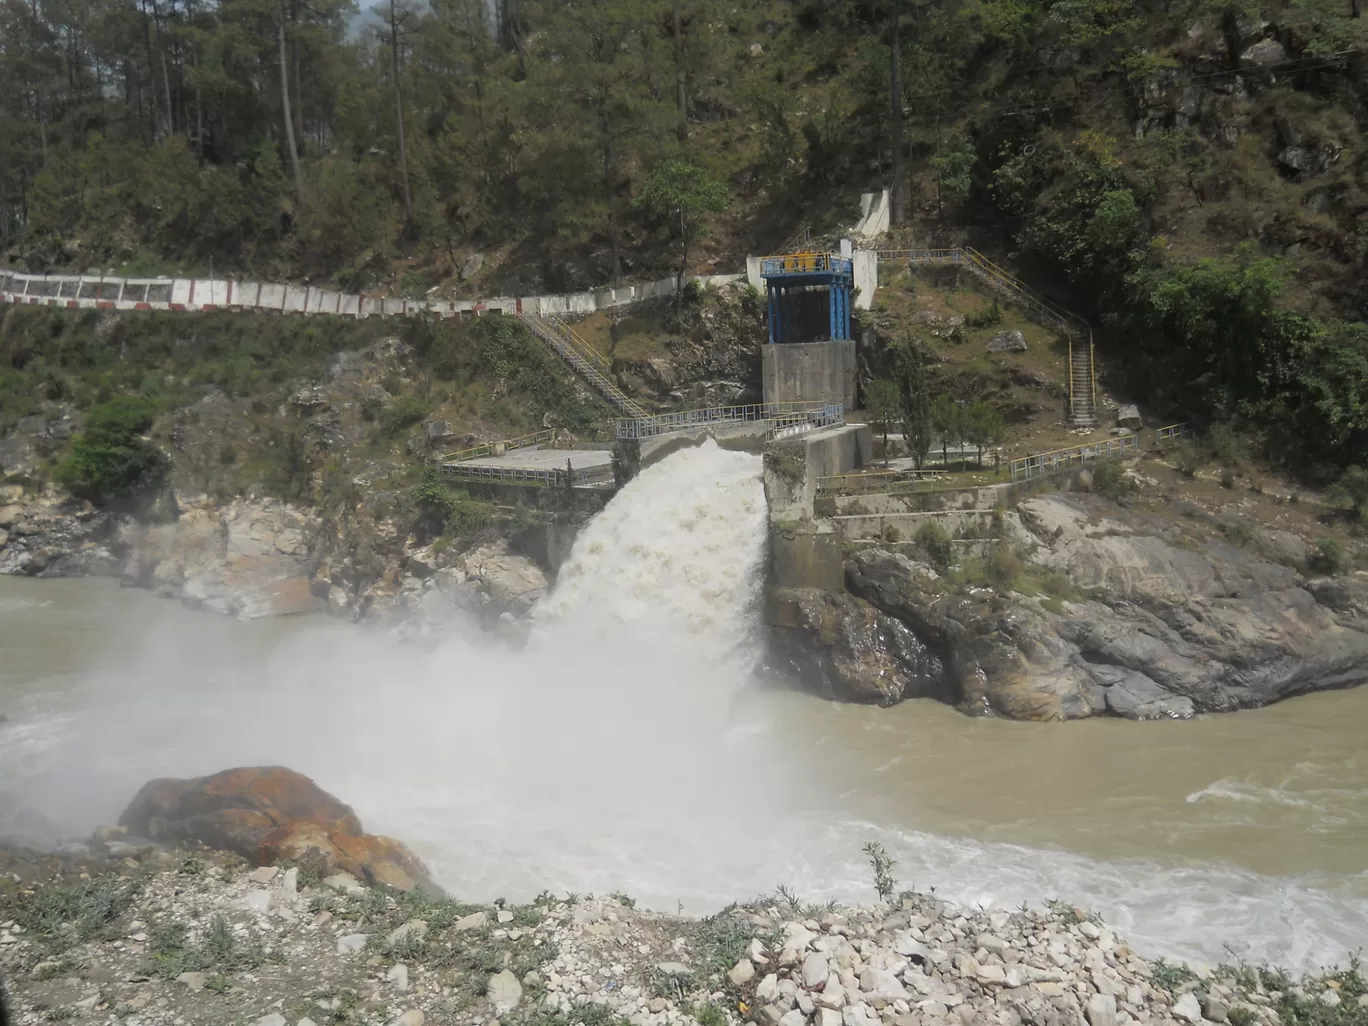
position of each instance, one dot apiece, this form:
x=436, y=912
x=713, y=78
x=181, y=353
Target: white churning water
x=629, y=748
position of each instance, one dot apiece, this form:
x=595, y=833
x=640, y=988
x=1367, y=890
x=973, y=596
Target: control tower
x=810, y=355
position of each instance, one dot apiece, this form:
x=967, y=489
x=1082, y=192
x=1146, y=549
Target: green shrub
x=1109, y=479
x=400, y=415
x=985, y=318
x=935, y=543
x=1227, y=447
x=460, y=515
x=1327, y=557
x=110, y=461
x=1186, y=459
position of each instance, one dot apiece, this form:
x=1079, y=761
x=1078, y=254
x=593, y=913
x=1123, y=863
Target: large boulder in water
x=266, y=814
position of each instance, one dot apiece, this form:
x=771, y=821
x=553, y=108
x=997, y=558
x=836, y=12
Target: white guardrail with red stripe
x=109, y=293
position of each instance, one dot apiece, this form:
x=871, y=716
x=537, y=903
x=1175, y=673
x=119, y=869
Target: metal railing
x=584, y=360
x=1172, y=432
x=801, y=241
x=857, y=484
x=779, y=416
x=1061, y=459
x=540, y=477
x=537, y=438
x=1076, y=329
x=805, y=263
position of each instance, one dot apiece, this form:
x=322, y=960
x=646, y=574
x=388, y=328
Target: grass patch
x=218, y=951
x=62, y=917
x=720, y=941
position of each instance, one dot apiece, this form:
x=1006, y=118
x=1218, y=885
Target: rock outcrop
x=1158, y=626
x=50, y=534
x=247, y=558
x=266, y=814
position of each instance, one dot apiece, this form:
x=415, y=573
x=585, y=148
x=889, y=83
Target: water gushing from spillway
x=626, y=748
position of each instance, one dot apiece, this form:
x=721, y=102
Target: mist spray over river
x=638, y=744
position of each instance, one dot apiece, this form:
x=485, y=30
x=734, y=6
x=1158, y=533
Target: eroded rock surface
x=1160, y=627
x=266, y=814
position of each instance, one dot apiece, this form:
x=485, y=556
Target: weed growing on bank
x=59, y=918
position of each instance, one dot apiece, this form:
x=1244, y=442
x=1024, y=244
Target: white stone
x=815, y=971
x=1089, y=930
x=1101, y=1010
x=991, y=943
x=351, y=942
x=1187, y=1007
x=858, y=1014
x=474, y=921
x=994, y=974
x=504, y=992
x=343, y=882
x=413, y=1017
x=290, y=882
x=193, y=981
x=272, y=1019
x=1330, y=997
x=264, y=875
x=828, y=1017
x=880, y=983
x=399, y=976
x=255, y=901
x=833, y=996
x=741, y=973
x=794, y=1018
x=505, y=915
x=1135, y=997
x=768, y=989
x=414, y=929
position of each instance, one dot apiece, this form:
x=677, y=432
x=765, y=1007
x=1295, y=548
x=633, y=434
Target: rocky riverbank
x=252, y=558
x=119, y=930
x=1079, y=606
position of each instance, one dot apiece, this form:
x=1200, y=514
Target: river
x=632, y=747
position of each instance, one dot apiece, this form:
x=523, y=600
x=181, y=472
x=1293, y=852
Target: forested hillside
x=1189, y=173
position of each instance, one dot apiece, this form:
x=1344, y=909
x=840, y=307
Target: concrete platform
x=593, y=468
x=546, y=459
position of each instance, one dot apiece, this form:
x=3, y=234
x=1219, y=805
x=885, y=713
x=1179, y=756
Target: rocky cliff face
x=1159, y=628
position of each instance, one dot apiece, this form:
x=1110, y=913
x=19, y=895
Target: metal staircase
x=1081, y=410
x=584, y=360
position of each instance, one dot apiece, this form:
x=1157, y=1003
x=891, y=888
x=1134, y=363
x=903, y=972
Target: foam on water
x=626, y=748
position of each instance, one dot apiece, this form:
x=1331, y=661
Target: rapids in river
x=638, y=744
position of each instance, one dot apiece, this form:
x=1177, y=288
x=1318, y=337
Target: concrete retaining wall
x=809, y=372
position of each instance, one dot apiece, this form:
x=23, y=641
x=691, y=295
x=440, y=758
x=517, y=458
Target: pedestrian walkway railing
x=544, y=477
x=779, y=417
x=584, y=360
x=1060, y=459
x=537, y=438
x=1078, y=332
x=1172, y=433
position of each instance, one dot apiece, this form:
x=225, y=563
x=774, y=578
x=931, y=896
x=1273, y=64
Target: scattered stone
x=264, y=875
x=399, y=976
x=1215, y=1008
x=815, y=971
x=1187, y=1007
x=474, y=921
x=414, y=929
x=504, y=992
x=1101, y=1010
x=1127, y=416
x=290, y=882
x=255, y=901
x=193, y=981
x=1010, y=341
x=413, y=1017
x=273, y=1019
x=351, y=942
x=741, y=973
x=505, y=916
